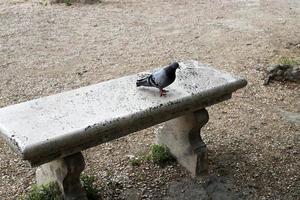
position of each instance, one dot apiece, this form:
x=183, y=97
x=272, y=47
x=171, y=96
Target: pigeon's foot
x=162, y=92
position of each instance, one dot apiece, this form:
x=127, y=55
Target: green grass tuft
x=49, y=191
x=288, y=61
x=136, y=161
x=160, y=155
x=52, y=191
x=68, y=2
x=88, y=183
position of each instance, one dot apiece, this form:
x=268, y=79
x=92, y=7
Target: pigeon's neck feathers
x=170, y=72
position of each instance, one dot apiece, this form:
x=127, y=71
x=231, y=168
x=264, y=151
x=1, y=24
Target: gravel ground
x=49, y=49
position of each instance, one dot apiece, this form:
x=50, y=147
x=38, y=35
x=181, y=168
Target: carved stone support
x=182, y=136
x=66, y=172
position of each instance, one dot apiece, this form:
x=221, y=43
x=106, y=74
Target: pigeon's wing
x=160, y=78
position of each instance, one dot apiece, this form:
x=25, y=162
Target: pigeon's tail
x=142, y=82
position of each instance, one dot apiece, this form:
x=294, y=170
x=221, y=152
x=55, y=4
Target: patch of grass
x=52, y=191
x=49, y=191
x=288, y=61
x=88, y=183
x=67, y=2
x=160, y=155
x=136, y=161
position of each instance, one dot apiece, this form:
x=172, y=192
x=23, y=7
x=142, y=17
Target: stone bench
x=51, y=132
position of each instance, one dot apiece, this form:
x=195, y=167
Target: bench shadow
x=228, y=161
x=247, y=173
x=221, y=182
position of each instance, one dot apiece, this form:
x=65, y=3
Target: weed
x=136, y=161
x=288, y=61
x=160, y=155
x=52, y=191
x=92, y=192
x=67, y=2
x=49, y=191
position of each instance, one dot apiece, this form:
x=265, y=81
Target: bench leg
x=182, y=137
x=66, y=172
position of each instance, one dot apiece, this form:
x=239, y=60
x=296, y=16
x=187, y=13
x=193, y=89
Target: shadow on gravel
x=219, y=184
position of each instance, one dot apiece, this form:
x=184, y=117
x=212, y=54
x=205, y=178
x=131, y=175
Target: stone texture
x=56, y=126
x=66, y=172
x=70, y=1
x=182, y=137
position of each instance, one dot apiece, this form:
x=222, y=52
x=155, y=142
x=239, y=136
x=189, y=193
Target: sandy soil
x=49, y=49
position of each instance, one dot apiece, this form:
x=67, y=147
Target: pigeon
x=160, y=79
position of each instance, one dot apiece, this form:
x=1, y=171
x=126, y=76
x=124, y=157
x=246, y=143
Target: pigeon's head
x=175, y=65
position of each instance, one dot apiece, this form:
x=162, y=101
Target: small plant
x=160, y=155
x=92, y=192
x=288, y=61
x=52, y=191
x=49, y=191
x=68, y=2
x=136, y=161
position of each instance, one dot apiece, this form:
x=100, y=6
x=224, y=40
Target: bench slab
x=59, y=125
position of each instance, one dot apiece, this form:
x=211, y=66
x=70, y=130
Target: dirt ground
x=46, y=49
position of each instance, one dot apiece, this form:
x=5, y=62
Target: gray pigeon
x=160, y=79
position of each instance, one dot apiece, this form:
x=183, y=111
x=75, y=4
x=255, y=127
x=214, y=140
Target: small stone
x=295, y=152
